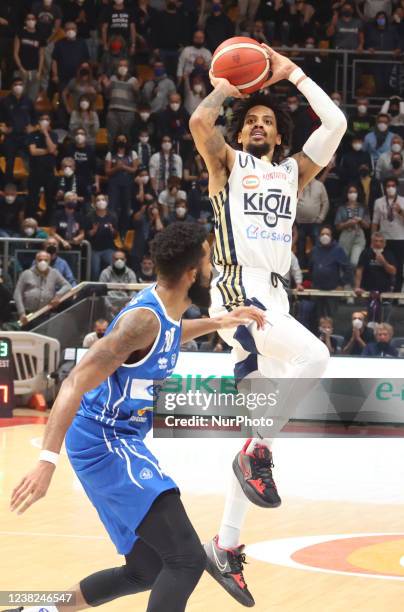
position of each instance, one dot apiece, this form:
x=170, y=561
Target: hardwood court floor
x=60, y=539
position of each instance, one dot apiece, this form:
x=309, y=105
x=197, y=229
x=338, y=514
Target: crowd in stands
x=95, y=145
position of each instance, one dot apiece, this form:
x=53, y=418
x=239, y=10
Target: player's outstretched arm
x=243, y=315
x=208, y=139
x=134, y=331
x=323, y=142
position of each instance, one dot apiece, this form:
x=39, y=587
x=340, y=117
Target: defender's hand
x=243, y=315
x=32, y=487
x=228, y=89
x=280, y=66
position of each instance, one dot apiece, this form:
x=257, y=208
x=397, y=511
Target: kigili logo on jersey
x=272, y=205
x=251, y=181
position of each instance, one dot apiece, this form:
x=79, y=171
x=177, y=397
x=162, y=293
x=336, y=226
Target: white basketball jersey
x=254, y=215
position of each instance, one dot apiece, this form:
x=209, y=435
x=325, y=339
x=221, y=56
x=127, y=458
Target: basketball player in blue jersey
x=104, y=410
x=254, y=202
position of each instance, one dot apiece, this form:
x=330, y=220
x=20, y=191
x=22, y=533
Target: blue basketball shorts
x=121, y=477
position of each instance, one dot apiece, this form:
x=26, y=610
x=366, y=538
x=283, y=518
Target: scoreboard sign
x=6, y=379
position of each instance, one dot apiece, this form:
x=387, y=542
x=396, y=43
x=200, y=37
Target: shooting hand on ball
x=280, y=66
x=230, y=90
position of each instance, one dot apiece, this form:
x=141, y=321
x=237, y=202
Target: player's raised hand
x=243, y=315
x=32, y=487
x=280, y=66
x=230, y=90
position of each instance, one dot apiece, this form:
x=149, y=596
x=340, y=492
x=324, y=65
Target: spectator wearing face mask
x=67, y=183
x=186, y=60
x=30, y=229
x=376, y=268
x=117, y=51
x=198, y=199
x=346, y=29
x=118, y=272
x=38, y=287
x=86, y=118
x=218, y=27
x=275, y=16
x=360, y=121
x=12, y=208
x=118, y=20
x=29, y=56
x=329, y=265
x=302, y=125
x=180, y=212
x=122, y=91
x=51, y=246
x=379, y=140
x=155, y=221
x=143, y=191
x=388, y=218
x=143, y=148
x=83, y=86
x=169, y=31
x=100, y=230
x=157, y=90
x=382, y=346
x=312, y=209
x=163, y=165
x=391, y=163
x=67, y=224
x=100, y=327
x=145, y=122
x=352, y=160
x=83, y=14
x=382, y=36
x=170, y=196
x=351, y=220
x=42, y=147
x=194, y=91
x=48, y=16
x=395, y=109
x=173, y=121
x=85, y=164
x=356, y=338
x=68, y=55
x=325, y=334
x=120, y=167
x=369, y=186
x=18, y=114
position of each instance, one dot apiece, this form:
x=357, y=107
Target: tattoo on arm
x=212, y=104
x=215, y=143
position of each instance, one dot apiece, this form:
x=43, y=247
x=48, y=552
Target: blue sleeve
x=67, y=273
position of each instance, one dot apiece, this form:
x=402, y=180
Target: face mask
x=362, y=108
x=51, y=249
x=378, y=251
x=80, y=138
x=144, y=139
x=357, y=146
x=325, y=239
x=352, y=197
x=121, y=144
x=363, y=172
x=101, y=204
x=336, y=101
x=175, y=106
x=381, y=21
x=144, y=116
x=70, y=206
x=198, y=88
x=216, y=8
x=357, y=323
x=158, y=72
x=18, y=89
x=346, y=13
x=123, y=70
x=84, y=72
x=68, y=171
x=145, y=179
x=203, y=182
x=42, y=265
x=198, y=45
x=85, y=104
x=293, y=107
x=29, y=231
x=181, y=212
x=31, y=23
x=119, y=264
x=396, y=147
x=166, y=146
x=71, y=34
x=382, y=127
x=396, y=163
x=10, y=199
x=44, y=123
x=391, y=191
x=309, y=46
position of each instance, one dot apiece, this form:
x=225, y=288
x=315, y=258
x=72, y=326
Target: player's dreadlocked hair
x=177, y=248
x=283, y=120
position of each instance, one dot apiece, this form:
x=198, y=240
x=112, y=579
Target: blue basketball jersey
x=124, y=401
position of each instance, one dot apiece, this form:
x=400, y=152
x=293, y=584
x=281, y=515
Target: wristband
x=295, y=75
x=49, y=456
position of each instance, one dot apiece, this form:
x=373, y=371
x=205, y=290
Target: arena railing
x=350, y=60
x=11, y=257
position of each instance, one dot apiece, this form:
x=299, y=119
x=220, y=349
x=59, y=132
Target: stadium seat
x=20, y=172
x=43, y=104
x=101, y=140
x=99, y=103
x=145, y=73
x=129, y=240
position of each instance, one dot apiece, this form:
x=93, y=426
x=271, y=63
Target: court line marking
x=53, y=535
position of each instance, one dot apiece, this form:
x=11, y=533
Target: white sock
x=235, y=510
x=264, y=441
x=41, y=609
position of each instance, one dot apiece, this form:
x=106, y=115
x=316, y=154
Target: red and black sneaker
x=254, y=473
x=226, y=566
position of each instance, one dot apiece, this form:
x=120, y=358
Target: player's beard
x=258, y=150
x=199, y=292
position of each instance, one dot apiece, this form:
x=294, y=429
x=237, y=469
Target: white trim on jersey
x=115, y=406
x=106, y=405
x=128, y=467
x=153, y=290
x=132, y=449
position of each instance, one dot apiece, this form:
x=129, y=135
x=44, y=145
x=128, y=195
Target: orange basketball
x=243, y=62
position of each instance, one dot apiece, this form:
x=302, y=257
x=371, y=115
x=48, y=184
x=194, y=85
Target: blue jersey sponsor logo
x=254, y=232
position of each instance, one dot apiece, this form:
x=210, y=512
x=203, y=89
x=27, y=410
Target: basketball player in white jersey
x=254, y=202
